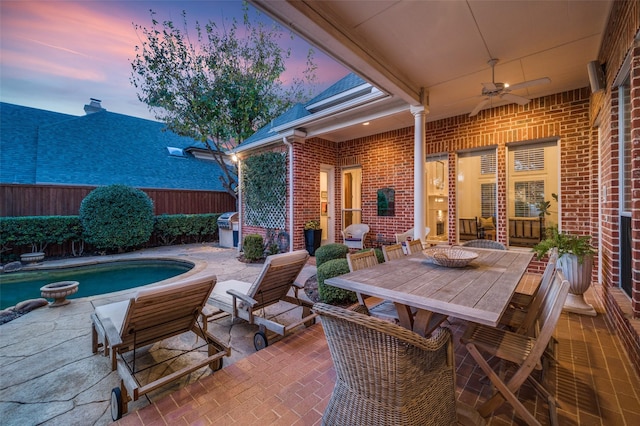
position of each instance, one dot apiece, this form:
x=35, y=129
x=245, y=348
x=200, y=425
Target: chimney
x=94, y=106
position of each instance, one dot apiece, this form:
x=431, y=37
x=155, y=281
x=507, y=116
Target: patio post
x=418, y=173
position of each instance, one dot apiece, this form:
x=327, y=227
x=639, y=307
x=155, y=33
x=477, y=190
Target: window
x=437, y=197
x=624, y=123
x=532, y=179
x=351, y=196
x=625, y=140
x=476, y=192
x=527, y=196
x=488, y=199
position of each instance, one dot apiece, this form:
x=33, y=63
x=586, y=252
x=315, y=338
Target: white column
x=240, y=207
x=419, y=190
x=291, y=192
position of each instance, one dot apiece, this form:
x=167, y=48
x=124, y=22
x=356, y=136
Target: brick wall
x=387, y=162
x=308, y=158
x=619, y=42
x=569, y=117
x=563, y=116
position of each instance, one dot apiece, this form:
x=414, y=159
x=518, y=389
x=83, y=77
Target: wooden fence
x=61, y=200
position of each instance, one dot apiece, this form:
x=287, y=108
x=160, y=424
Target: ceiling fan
x=503, y=90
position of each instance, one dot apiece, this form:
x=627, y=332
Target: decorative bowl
x=451, y=257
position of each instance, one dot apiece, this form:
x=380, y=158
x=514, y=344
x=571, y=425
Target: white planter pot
x=32, y=257
x=59, y=292
x=579, y=277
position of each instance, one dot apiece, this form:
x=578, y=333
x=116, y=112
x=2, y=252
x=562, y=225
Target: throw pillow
x=487, y=223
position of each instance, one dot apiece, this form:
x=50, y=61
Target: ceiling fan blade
x=489, y=87
x=515, y=98
x=479, y=107
x=529, y=83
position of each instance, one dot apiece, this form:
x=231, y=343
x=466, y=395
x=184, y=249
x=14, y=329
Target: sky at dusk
x=55, y=55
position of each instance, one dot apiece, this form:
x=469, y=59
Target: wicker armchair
x=490, y=244
x=386, y=374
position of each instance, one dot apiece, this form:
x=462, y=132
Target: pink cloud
x=88, y=45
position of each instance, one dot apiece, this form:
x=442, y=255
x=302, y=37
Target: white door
x=327, y=206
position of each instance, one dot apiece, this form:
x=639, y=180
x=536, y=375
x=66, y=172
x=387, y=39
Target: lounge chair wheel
x=260, y=340
x=216, y=365
x=116, y=404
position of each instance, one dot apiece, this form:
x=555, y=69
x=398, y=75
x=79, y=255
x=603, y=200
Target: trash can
x=228, y=229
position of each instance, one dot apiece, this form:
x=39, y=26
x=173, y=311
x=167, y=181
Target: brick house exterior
x=586, y=128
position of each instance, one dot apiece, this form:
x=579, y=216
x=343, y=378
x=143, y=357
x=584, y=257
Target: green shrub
x=168, y=228
x=117, y=217
x=329, y=294
x=379, y=254
x=329, y=252
x=253, y=247
x=38, y=231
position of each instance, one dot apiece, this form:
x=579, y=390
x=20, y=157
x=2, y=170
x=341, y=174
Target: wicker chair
x=355, y=235
x=386, y=374
x=408, y=235
x=490, y=244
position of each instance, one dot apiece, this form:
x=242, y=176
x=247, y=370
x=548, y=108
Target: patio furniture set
x=158, y=313
x=502, y=324
x=394, y=362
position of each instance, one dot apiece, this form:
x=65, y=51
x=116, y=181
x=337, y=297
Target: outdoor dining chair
x=414, y=246
x=521, y=318
x=392, y=252
x=384, y=309
x=388, y=375
x=524, y=351
x=522, y=300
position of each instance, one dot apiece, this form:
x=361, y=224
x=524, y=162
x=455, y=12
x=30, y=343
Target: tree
x=219, y=89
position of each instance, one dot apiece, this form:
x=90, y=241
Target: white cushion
x=115, y=312
x=220, y=298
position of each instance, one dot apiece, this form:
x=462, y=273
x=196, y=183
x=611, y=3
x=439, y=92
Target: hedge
x=37, y=232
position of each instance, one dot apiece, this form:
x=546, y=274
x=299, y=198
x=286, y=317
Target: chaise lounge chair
x=152, y=315
x=277, y=278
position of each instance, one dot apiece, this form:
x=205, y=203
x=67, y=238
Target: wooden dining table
x=425, y=293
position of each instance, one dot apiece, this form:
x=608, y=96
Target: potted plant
x=312, y=236
x=575, y=259
x=543, y=209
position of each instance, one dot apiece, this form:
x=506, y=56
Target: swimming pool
x=94, y=279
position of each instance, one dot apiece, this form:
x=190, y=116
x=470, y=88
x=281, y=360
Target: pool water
x=94, y=279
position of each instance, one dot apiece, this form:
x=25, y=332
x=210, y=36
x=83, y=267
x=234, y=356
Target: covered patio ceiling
x=444, y=47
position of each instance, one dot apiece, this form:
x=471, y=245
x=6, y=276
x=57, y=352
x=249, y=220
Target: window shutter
x=488, y=199
x=488, y=164
x=529, y=159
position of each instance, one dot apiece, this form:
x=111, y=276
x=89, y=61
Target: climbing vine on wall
x=264, y=190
